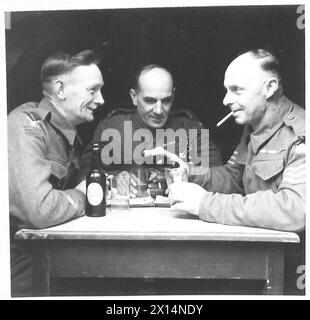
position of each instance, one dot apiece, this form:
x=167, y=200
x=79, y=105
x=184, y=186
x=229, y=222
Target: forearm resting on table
x=199, y=175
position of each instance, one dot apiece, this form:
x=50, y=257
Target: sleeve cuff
x=203, y=208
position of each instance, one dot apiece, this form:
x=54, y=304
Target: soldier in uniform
x=263, y=183
x=152, y=95
x=43, y=152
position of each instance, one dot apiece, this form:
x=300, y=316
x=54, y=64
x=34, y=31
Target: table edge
x=29, y=234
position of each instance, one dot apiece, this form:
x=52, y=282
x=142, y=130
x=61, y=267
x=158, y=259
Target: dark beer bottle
x=96, y=185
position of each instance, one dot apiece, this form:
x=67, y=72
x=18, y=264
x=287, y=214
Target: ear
x=271, y=86
x=60, y=89
x=133, y=95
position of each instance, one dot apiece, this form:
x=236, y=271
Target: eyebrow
x=233, y=87
x=152, y=98
x=96, y=86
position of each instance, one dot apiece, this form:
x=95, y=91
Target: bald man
x=263, y=183
x=152, y=95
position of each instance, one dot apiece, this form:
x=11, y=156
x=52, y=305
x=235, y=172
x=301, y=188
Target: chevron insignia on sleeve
x=233, y=158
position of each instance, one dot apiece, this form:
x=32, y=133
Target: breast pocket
x=269, y=169
x=58, y=175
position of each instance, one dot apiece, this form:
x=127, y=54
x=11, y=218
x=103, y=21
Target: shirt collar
x=271, y=123
x=47, y=110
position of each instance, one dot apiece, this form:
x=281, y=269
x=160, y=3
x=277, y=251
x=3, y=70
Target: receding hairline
x=147, y=69
x=265, y=60
x=245, y=58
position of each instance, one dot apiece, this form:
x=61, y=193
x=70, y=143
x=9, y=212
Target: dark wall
x=196, y=44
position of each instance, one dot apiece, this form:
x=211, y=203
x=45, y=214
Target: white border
x=33, y=5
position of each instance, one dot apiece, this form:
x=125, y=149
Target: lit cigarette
x=224, y=119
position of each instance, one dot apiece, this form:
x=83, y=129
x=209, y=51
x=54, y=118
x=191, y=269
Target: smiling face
x=153, y=97
x=246, y=87
x=82, y=95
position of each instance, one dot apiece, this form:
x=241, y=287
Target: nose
x=158, y=109
x=228, y=99
x=99, y=99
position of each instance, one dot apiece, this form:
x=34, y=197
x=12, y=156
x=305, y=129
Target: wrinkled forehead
x=244, y=70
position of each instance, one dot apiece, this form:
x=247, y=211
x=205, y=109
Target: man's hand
x=186, y=196
x=171, y=156
x=81, y=186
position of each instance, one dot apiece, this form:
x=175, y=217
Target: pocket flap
x=266, y=169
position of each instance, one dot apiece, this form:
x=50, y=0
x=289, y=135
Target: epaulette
x=34, y=118
x=296, y=120
x=185, y=113
x=301, y=139
x=119, y=111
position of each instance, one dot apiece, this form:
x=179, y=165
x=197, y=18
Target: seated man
x=152, y=94
x=43, y=153
x=263, y=183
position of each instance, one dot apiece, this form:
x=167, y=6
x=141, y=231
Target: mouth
x=235, y=112
x=158, y=119
x=92, y=110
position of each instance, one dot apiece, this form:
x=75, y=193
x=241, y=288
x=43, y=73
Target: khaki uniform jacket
x=263, y=183
x=42, y=157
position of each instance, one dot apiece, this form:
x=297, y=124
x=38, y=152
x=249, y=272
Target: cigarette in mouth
x=224, y=119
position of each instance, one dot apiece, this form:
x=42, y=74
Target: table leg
x=41, y=274
x=275, y=271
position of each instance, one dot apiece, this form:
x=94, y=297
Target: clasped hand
x=186, y=197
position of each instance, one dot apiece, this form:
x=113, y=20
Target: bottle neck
x=96, y=159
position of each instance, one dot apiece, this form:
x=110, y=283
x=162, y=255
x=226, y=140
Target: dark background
x=196, y=44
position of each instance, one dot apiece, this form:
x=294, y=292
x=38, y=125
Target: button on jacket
x=42, y=156
x=263, y=182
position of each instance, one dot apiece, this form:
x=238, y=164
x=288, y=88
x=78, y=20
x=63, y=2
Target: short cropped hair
x=61, y=63
x=145, y=69
x=269, y=63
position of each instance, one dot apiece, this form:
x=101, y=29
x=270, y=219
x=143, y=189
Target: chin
x=89, y=119
x=240, y=121
x=157, y=125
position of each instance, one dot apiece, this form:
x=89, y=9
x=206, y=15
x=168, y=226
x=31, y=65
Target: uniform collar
x=48, y=111
x=271, y=122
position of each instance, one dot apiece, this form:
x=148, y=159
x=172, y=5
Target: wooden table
x=156, y=243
